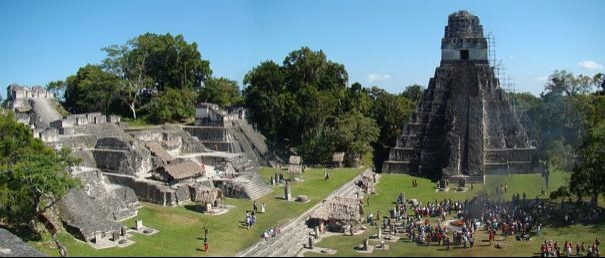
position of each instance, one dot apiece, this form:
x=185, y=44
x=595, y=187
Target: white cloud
x=378, y=77
x=590, y=65
x=541, y=78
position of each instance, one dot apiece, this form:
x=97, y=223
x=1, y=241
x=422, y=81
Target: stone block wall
x=150, y=191
x=132, y=162
x=49, y=135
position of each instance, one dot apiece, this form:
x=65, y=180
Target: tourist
x=205, y=244
x=262, y=208
x=254, y=207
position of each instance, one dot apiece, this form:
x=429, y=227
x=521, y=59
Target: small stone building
x=205, y=195
x=337, y=159
x=174, y=173
x=335, y=214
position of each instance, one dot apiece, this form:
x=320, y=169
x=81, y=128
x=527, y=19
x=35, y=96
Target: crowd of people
x=550, y=249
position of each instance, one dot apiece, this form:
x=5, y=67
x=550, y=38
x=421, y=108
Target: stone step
x=257, y=188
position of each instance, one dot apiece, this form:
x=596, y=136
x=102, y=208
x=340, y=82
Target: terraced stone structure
x=464, y=125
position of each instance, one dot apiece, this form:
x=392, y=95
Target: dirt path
x=294, y=235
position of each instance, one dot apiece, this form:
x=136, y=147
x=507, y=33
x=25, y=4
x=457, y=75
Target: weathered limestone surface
x=121, y=155
x=96, y=206
x=464, y=125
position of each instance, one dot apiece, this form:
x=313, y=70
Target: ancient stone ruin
x=167, y=165
x=464, y=125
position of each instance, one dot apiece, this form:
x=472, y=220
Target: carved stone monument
x=287, y=192
x=442, y=184
x=139, y=225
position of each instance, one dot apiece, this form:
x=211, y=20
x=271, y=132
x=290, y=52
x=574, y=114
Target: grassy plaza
x=181, y=228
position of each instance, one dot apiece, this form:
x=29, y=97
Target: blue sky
x=389, y=44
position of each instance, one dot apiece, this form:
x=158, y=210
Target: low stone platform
x=359, y=249
x=219, y=210
x=107, y=243
x=144, y=230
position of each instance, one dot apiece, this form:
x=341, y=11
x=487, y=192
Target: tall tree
x=298, y=101
x=391, y=113
x=173, y=105
x=267, y=98
x=127, y=63
x=357, y=98
x=90, y=90
x=221, y=91
x=354, y=132
x=150, y=64
x=413, y=92
x=318, y=86
x=172, y=62
x=588, y=175
x=33, y=176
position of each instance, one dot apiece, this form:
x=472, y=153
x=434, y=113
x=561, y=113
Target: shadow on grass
x=195, y=208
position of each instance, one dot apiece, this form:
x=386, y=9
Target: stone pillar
x=365, y=244
x=124, y=231
x=379, y=233
x=139, y=225
x=310, y=242
x=287, y=193
x=116, y=236
x=98, y=237
x=272, y=181
x=316, y=232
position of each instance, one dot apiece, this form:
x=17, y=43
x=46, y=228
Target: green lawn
x=391, y=185
x=181, y=229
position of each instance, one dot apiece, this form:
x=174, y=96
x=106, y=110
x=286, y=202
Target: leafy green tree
x=90, y=90
x=298, y=101
x=357, y=98
x=267, y=98
x=127, y=63
x=391, y=113
x=172, y=106
x=559, y=155
x=354, y=132
x=588, y=175
x=413, y=92
x=33, y=176
x=318, y=86
x=150, y=64
x=172, y=62
x=221, y=91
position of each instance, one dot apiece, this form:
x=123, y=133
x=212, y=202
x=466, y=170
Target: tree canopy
x=32, y=175
x=221, y=91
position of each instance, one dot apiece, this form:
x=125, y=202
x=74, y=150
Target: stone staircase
x=245, y=144
x=242, y=164
x=256, y=187
x=294, y=235
x=257, y=139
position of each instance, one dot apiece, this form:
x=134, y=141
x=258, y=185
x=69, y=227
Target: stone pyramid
x=464, y=125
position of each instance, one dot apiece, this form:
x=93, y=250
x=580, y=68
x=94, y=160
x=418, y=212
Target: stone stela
x=287, y=192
